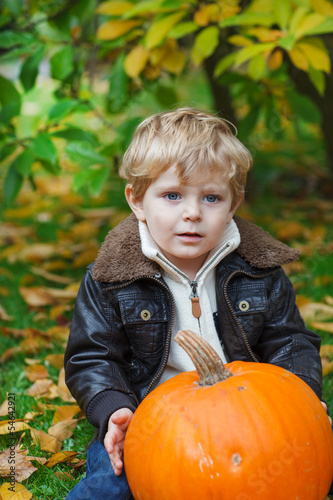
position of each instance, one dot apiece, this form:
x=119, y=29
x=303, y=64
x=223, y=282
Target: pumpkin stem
x=207, y=362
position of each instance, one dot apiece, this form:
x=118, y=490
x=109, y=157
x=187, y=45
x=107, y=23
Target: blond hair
x=191, y=140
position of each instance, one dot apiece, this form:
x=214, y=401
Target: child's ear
x=234, y=208
x=135, y=203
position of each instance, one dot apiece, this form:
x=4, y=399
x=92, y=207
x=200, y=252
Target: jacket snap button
x=244, y=305
x=145, y=315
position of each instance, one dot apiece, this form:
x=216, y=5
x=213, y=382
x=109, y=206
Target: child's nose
x=192, y=211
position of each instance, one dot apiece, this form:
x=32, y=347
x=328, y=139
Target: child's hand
x=325, y=406
x=115, y=437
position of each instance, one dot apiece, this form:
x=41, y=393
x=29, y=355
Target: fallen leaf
x=63, y=389
x=329, y=300
x=45, y=441
x=63, y=430
x=320, y=325
x=36, y=372
x=65, y=412
x=326, y=350
x=327, y=366
x=4, y=315
x=55, y=360
x=20, y=492
x=7, y=426
x=22, y=469
x=60, y=457
x=63, y=475
x=316, y=311
x=56, y=278
x=4, y=408
x=40, y=387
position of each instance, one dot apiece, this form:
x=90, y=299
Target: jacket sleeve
x=285, y=340
x=93, y=359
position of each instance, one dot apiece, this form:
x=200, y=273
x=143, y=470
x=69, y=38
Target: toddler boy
x=180, y=261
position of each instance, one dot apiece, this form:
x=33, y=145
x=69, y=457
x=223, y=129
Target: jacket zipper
x=168, y=339
x=194, y=297
x=252, y=354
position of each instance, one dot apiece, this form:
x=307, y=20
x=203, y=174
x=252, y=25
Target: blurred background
x=76, y=78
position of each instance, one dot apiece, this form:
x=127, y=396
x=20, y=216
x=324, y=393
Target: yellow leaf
x=275, y=59
x=45, y=441
x=40, y=387
x=327, y=366
x=23, y=467
x=326, y=350
x=320, y=325
x=136, y=61
x=298, y=59
x=206, y=14
x=56, y=360
x=65, y=412
x=35, y=372
x=316, y=54
x=7, y=426
x=115, y=28
x=308, y=23
x=266, y=35
x=174, y=61
x=20, y=492
x=60, y=457
x=323, y=7
x=239, y=40
x=63, y=430
x=316, y=311
x=114, y=8
x=159, y=30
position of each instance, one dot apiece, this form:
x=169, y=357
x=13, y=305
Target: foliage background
x=76, y=77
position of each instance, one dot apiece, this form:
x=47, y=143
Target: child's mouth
x=190, y=236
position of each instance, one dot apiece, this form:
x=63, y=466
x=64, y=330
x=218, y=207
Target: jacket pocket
x=250, y=303
x=144, y=320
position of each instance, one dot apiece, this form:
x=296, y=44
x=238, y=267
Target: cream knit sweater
x=181, y=288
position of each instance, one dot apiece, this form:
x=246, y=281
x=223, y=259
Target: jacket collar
x=121, y=259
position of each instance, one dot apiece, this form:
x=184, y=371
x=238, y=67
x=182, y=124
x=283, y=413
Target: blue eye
x=211, y=198
x=172, y=196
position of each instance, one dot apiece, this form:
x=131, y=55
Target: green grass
x=62, y=214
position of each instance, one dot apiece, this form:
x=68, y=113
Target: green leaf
x=14, y=6
x=303, y=108
x=62, y=109
x=318, y=79
x=24, y=161
x=62, y=63
x=12, y=184
x=251, y=51
x=98, y=178
x=282, y=12
x=159, y=29
x=248, y=123
x=126, y=131
x=287, y=42
x=166, y=96
x=84, y=153
x=322, y=28
x=257, y=67
x=76, y=134
x=29, y=69
x=10, y=38
x=118, y=82
x=183, y=29
x=10, y=100
x=205, y=44
x=248, y=18
x=143, y=7
x=45, y=149
x=224, y=64
x=52, y=168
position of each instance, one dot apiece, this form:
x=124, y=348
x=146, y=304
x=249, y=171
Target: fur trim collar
x=121, y=259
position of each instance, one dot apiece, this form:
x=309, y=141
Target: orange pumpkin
x=252, y=431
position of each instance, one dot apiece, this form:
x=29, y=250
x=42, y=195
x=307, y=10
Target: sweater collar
x=121, y=259
x=229, y=242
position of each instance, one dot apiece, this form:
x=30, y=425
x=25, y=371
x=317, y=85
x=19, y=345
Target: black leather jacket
x=117, y=351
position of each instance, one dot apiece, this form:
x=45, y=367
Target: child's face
x=185, y=219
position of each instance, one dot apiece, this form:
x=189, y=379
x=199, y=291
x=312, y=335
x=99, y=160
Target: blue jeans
x=100, y=481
